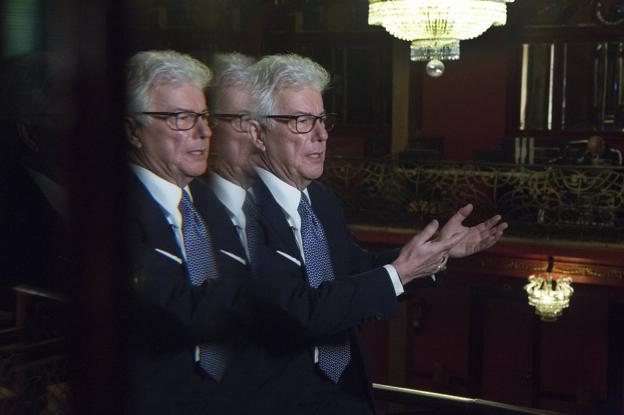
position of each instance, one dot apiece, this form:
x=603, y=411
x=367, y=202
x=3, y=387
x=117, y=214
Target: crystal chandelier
x=547, y=296
x=435, y=27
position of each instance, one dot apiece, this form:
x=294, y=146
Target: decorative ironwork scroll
x=549, y=202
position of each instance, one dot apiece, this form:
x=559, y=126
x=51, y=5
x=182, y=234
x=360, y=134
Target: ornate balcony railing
x=576, y=203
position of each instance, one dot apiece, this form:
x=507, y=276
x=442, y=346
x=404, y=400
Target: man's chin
x=313, y=175
x=196, y=172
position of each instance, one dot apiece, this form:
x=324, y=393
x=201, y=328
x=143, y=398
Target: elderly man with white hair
x=301, y=233
x=183, y=314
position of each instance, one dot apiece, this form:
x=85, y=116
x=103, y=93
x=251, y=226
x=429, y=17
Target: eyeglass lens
x=305, y=123
x=187, y=120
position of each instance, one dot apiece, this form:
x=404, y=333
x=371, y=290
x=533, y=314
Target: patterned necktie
x=251, y=227
x=333, y=358
x=200, y=265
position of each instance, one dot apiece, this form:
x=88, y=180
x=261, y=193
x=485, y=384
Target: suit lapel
x=216, y=218
x=144, y=208
x=271, y=218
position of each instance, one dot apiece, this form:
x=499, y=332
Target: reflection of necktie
x=333, y=358
x=200, y=265
x=251, y=227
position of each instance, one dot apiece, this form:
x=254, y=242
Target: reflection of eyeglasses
x=182, y=120
x=235, y=119
x=304, y=123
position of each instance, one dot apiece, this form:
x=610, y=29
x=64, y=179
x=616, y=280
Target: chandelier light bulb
x=435, y=68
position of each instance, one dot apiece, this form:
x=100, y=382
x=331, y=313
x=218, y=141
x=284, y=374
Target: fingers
x=448, y=243
x=492, y=236
x=442, y=264
x=488, y=224
x=426, y=233
x=502, y=227
x=497, y=230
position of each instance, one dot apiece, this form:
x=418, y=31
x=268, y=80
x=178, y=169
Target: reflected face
x=295, y=158
x=231, y=140
x=176, y=156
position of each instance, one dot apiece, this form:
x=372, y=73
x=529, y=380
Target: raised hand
x=475, y=238
x=422, y=256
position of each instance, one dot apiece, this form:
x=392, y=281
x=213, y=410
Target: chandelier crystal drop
x=435, y=27
x=547, y=296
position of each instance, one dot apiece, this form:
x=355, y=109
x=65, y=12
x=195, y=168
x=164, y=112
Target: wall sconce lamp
x=547, y=296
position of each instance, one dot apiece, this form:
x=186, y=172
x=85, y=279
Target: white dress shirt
x=232, y=196
x=168, y=196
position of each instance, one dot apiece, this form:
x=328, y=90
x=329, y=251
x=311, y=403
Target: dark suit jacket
x=34, y=235
x=361, y=291
x=166, y=316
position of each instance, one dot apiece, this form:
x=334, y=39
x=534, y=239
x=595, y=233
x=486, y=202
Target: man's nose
x=320, y=132
x=202, y=130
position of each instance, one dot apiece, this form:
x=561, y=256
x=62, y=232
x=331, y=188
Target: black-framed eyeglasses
x=182, y=120
x=304, y=123
x=237, y=120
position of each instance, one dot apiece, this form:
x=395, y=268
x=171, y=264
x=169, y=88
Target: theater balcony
x=475, y=335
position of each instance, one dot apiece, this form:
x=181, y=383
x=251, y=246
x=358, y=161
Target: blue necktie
x=333, y=358
x=200, y=264
x=251, y=228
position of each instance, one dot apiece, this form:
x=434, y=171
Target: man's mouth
x=316, y=155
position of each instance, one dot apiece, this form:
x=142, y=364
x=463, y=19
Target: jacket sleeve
x=288, y=303
x=167, y=311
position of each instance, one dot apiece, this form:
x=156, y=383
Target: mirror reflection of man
x=179, y=308
x=36, y=112
x=230, y=104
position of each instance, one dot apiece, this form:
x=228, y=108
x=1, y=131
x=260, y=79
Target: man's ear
x=256, y=133
x=132, y=132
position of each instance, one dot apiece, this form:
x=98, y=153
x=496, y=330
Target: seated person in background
x=598, y=154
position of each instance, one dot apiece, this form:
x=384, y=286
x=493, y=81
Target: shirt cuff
x=394, y=277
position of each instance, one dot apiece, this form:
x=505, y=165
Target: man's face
x=295, y=158
x=176, y=156
x=231, y=141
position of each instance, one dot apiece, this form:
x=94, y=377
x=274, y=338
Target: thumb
x=461, y=214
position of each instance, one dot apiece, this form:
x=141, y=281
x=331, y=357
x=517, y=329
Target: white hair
x=230, y=70
x=149, y=69
x=273, y=73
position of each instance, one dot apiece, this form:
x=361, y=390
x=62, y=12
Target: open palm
x=474, y=238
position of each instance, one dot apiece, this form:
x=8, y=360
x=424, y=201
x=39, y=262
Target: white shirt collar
x=287, y=196
x=231, y=195
x=167, y=194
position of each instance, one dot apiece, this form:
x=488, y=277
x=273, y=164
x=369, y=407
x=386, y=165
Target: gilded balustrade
x=550, y=202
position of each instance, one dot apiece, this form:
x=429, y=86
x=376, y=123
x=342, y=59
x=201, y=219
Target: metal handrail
x=441, y=401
